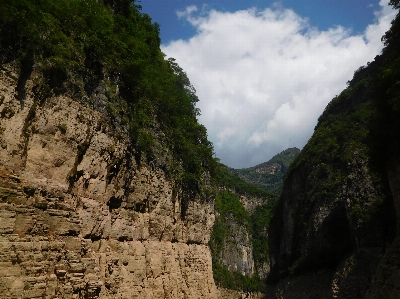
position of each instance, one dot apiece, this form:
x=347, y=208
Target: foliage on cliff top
x=80, y=45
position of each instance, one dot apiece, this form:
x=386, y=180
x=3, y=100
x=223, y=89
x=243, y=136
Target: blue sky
x=265, y=71
x=354, y=14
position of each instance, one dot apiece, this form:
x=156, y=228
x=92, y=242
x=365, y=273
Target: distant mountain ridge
x=269, y=175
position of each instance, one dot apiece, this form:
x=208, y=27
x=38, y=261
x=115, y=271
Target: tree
x=120, y=6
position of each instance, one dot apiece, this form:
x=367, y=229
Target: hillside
x=269, y=175
x=334, y=233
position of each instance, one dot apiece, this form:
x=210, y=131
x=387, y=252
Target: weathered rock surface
x=81, y=216
x=237, y=252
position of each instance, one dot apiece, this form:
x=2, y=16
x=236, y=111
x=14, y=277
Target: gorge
x=109, y=187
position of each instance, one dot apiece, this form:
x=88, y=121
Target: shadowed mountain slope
x=334, y=233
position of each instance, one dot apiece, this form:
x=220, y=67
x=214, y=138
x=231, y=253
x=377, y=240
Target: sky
x=264, y=71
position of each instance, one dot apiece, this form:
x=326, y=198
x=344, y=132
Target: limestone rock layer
x=81, y=216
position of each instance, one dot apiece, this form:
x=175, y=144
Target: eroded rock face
x=73, y=267
x=81, y=216
x=237, y=253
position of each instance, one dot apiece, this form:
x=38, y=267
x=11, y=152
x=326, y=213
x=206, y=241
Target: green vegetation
x=348, y=135
x=85, y=46
x=345, y=164
x=269, y=175
x=227, y=202
x=359, y=128
x=236, y=281
x=260, y=220
x=230, y=214
x=224, y=178
x=285, y=157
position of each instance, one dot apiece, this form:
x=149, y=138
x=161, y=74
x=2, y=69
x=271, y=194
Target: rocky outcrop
x=250, y=203
x=256, y=207
x=82, y=214
x=237, y=251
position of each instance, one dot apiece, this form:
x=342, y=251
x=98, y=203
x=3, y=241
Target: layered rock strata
x=81, y=215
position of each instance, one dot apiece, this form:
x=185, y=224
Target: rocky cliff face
x=83, y=217
x=322, y=248
x=239, y=238
x=385, y=283
x=335, y=232
x=237, y=250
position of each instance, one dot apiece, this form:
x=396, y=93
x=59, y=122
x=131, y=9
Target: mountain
x=335, y=230
x=269, y=175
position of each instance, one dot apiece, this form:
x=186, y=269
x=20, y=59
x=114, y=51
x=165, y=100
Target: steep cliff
x=334, y=233
x=103, y=165
x=81, y=218
x=239, y=237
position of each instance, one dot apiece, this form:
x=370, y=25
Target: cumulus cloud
x=263, y=77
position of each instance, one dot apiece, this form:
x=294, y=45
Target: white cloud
x=264, y=77
x=187, y=13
